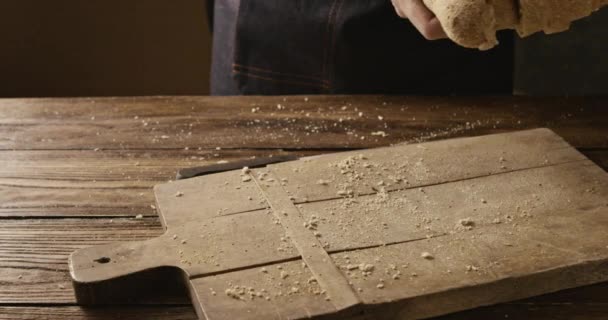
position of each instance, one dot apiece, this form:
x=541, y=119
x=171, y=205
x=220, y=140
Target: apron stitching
x=332, y=48
x=328, y=32
x=235, y=48
x=257, y=69
x=300, y=83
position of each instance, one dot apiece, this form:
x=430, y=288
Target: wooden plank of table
x=34, y=196
x=34, y=255
x=112, y=312
x=48, y=125
x=534, y=311
x=286, y=122
x=504, y=311
x=116, y=165
x=86, y=183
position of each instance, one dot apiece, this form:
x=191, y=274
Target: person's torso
x=340, y=46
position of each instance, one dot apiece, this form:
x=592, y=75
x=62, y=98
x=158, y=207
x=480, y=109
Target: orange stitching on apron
x=236, y=65
x=307, y=84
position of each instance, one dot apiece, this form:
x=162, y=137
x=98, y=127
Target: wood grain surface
x=77, y=172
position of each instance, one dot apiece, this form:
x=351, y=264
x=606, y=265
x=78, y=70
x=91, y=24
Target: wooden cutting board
x=402, y=232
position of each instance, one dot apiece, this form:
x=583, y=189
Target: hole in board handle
x=103, y=260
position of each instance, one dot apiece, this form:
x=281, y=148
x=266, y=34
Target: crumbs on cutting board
x=284, y=281
x=373, y=199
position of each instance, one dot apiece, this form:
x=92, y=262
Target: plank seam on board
x=312, y=252
x=246, y=267
x=351, y=249
x=330, y=252
x=456, y=180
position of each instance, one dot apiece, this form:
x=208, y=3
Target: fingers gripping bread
x=474, y=23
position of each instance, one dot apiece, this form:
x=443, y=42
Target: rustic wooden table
x=77, y=172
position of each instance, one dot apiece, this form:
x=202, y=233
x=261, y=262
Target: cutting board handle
x=111, y=261
x=122, y=271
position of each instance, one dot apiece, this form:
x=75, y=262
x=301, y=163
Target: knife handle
x=187, y=173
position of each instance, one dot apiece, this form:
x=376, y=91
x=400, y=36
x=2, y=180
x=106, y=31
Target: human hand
x=421, y=17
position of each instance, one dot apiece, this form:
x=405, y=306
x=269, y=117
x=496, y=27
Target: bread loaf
x=474, y=23
x=553, y=16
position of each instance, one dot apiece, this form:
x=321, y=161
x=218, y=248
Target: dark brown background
x=569, y=63
x=110, y=47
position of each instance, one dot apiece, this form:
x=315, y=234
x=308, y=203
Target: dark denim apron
x=343, y=46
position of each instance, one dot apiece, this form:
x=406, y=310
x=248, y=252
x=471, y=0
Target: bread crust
x=470, y=23
x=474, y=23
x=553, y=16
